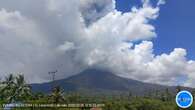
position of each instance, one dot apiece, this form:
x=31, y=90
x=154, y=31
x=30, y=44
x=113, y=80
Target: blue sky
x=175, y=26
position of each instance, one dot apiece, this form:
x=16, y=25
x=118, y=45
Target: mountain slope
x=99, y=81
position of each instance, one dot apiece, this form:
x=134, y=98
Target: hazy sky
x=140, y=39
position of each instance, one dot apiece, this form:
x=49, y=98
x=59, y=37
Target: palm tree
x=7, y=86
x=15, y=89
x=23, y=90
x=57, y=95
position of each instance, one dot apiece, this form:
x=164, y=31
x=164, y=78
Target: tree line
x=14, y=89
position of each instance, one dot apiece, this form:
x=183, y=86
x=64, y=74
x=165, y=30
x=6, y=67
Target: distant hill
x=96, y=81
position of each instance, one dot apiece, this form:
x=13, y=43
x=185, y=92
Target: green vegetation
x=15, y=90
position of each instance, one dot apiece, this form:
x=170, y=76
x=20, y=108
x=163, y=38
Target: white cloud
x=129, y=26
x=161, y=2
x=67, y=46
x=67, y=36
x=140, y=63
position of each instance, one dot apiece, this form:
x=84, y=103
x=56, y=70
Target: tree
x=7, y=87
x=15, y=89
x=57, y=95
x=23, y=90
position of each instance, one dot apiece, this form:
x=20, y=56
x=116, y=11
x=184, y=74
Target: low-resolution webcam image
x=97, y=54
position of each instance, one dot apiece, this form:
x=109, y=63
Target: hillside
x=96, y=81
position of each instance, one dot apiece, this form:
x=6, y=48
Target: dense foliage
x=15, y=90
